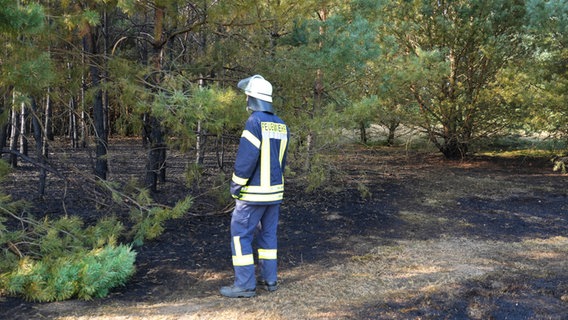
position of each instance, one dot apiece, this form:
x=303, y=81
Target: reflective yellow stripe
x=262, y=197
x=261, y=189
x=239, y=259
x=265, y=162
x=262, y=194
x=267, y=254
x=251, y=138
x=239, y=180
x=237, y=245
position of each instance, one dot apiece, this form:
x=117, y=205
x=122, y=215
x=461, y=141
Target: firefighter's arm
x=247, y=157
x=235, y=190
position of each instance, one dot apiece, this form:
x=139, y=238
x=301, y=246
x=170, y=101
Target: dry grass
x=405, y=271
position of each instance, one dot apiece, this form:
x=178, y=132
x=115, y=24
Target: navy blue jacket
x=261, y=159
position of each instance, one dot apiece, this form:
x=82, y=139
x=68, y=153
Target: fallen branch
x=35, y=163
x=228, y=209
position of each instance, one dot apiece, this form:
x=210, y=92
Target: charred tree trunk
x=453, y=149
x=83, y=132
x=156, y=165
x=363, y=132
x=101, y=136
x=146, y=130
x=3, y=136
x=105, y=76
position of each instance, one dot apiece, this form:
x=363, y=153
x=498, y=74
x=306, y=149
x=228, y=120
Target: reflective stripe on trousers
x=254, y=223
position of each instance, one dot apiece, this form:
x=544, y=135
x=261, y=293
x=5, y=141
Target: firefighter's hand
x=235, y=190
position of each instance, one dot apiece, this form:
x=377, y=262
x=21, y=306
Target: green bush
x=51, y=260
x=85, y=275
x=149, y=219
x=55, y=260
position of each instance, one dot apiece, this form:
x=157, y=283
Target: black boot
x=268, y=286
x=236, y=292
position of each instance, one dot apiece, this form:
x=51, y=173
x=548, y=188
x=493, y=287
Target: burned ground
x=402, y=235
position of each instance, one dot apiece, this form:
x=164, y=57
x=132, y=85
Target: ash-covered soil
x=378, y=197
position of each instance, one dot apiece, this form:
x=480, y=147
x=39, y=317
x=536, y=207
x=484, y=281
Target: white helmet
x=257, y=87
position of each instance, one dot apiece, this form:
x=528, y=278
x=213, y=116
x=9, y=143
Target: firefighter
x=257, y=185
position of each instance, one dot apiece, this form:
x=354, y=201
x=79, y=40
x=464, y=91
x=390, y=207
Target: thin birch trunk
x=14, y=130
x=23, y=130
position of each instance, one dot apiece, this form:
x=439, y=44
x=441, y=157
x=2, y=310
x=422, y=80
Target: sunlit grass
x=391, y=274
x=534, y=153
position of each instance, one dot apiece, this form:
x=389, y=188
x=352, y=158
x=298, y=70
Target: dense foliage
x=456, y=70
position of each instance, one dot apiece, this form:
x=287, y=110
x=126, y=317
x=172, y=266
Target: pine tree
x=450, y=53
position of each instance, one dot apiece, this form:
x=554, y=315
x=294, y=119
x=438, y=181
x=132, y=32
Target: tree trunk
x=105, y=75
x=318, y=99
x=200, y=144
x=14, y=130
x=146, y=130
x=40, y=147
x=73, y=133
x=3, y=127
x=156, y=165
x=3, y=136
x=83, y=125
x=23, y=129
x=220, y=151
x=84, y=132
x=101, y=164
x=156, y=156
x=453, y=149
x=363, y=132
x=48, y=116
x=391, y=135
x=101, y=137
x=201, y=136
x=456, y=137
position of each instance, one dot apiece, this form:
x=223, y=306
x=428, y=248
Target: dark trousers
x=251, y=222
